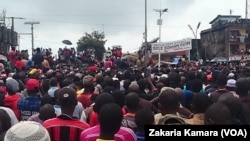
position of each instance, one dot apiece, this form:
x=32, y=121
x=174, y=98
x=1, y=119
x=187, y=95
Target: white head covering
x=27, y=131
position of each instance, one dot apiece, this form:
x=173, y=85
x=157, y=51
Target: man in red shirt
x=11, y=98
x=108, y=64
x=65, y=127
x=93, y=68
x=19, y=65
x=88, y=86
x=12, y=56
x=93, y=133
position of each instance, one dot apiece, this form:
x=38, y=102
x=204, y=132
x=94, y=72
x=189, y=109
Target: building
x=8, y=37
x=227, y=37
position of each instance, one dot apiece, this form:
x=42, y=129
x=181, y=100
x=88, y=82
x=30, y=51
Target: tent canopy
x=219, y=59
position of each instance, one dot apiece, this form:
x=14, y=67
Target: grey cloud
x=112, y=15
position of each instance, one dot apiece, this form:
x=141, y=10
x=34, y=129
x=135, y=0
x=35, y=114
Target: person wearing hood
x=11, y=98
x=30, y=105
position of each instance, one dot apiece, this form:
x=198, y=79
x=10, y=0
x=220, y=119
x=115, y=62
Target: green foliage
x=95, y=40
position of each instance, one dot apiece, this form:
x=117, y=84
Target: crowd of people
x=106, y=102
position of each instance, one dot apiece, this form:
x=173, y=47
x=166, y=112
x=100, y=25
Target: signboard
x=174, y=46
x=238, y=57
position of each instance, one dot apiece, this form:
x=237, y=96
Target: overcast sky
x=122, y=21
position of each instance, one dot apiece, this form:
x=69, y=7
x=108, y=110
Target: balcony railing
x=234, y=39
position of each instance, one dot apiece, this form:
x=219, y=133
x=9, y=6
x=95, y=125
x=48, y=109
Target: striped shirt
x=92, y=134
x=65, y=128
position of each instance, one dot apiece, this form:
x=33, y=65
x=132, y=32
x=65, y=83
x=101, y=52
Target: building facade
x=228, y=37
x=8, y=38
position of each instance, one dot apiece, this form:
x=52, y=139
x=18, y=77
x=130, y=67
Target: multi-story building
x=228, y=37
x=8, y=38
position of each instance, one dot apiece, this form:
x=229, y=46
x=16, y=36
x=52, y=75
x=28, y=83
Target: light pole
x=32, y=35
x=195, y=36
x=159, y=22
x=146, y=37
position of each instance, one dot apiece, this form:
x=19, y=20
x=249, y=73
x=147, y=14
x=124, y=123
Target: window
x=234, y=49
x=234, y=34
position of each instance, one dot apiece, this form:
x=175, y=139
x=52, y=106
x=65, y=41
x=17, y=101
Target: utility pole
x=146, y=36
x=12, y=27
x=32, y=35
x=246, y=13
x=195, y=36
x=159, y=22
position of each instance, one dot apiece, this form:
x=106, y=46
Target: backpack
x=171, y=119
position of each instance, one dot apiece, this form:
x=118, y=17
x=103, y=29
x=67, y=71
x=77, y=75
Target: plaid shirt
x=29, y=106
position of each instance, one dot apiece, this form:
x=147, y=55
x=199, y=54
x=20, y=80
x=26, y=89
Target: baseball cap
x=33, y=71
x=67, y=96
x=32, y=84
x=27, y=130
x=231, y=83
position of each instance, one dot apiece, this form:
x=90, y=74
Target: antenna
x=230, y=11
x=246, y=14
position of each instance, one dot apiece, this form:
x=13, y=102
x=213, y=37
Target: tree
x=95, y=41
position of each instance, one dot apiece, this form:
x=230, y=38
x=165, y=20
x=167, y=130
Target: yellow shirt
x=78, y=92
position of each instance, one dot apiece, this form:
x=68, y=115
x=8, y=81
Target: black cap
x=67, y=96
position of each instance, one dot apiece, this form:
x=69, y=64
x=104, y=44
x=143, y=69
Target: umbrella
x=67, y=42
x=154, y=40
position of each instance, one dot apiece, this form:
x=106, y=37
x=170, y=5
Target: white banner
x=174, y=46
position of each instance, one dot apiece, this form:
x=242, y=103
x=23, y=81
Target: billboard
x=173, y=46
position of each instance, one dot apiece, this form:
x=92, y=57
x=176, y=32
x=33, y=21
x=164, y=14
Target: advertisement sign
x=173, y=46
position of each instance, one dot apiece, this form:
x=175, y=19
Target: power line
x=86, y=15
x=28, y=38
x=45, y=20
x=114, y=25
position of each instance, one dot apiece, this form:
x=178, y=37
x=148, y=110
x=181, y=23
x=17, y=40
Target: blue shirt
x=31, y=103
x=52, y=90
x=29, y=106
x=188, y=95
